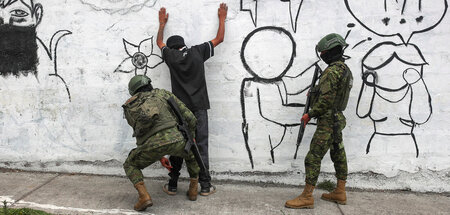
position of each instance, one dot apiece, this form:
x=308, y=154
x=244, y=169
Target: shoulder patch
x=130, y=100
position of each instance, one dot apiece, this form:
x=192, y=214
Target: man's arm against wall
x=163, y=17
x=222, y=12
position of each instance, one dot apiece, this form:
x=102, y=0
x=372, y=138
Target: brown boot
x=193, y=189
x=144, y=198
x=305, y=200
x=338, y=195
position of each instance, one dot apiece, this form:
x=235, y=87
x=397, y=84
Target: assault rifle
x=190, y=142
x=301, y=131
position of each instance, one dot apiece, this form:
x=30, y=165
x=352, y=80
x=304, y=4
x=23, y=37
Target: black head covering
x=332, y=55
x=175, y=42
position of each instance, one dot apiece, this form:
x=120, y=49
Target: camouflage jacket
x=157, y=127
x=329, y=84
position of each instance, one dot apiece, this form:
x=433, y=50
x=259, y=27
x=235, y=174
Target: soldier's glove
x=166, y=163
x=305, y=119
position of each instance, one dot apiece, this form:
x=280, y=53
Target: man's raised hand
x=163, y=16
x=223, y=11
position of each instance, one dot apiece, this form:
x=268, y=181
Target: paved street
x=90, y=194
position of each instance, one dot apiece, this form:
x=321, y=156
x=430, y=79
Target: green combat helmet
x=330, y=41
x=137, y=82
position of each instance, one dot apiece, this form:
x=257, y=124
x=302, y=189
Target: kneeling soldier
x=155, y=128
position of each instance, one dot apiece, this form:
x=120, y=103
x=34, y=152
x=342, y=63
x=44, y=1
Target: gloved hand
x=166, y=163
x=305, y=119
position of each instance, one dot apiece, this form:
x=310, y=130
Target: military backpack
x=148, y=113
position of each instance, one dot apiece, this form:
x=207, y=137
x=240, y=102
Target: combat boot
x=338, y=195
x=193, y=189
x=144, y=198
x=305, y=200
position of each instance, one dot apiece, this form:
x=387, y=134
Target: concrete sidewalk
x=89, y=194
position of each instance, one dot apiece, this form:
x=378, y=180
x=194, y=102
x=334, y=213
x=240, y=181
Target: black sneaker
x=169, y=190
x=206, y=191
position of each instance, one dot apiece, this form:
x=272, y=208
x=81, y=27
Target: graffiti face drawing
x=392, y=77
x=35, y=101
x=402, y=18
x=393, y=92
x=18, y=44
x=19, y=41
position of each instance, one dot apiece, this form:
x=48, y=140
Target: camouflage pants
x=322, y=141
x=143, y=156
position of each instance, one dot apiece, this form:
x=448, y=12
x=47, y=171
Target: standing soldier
x=329, y=98
x=155, y=128
x=187, y=74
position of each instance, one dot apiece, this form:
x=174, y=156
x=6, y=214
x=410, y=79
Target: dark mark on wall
x=386, y=21
x=419, y=19
x=361, y=42
x=18, y=50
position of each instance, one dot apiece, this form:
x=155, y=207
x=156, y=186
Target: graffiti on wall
x=268, y=81
x=251, y=7
x=392, y=73
x=19, y=41
x=140, y=58
x=121, y=7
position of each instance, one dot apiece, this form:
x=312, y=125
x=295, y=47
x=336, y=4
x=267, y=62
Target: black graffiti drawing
x=121, y=7
x=398, y=79
x=352, y=25
x=19, y=42
x=139, y=58
x=294, y=6
x=251, y=6
x=394, y=16
x=252, y=9
x=277, y=81
x=406, y=85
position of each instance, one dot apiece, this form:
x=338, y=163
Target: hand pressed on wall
x=163, y=16
x=222, y=11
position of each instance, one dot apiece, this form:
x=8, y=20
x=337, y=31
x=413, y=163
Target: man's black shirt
x=187, y=73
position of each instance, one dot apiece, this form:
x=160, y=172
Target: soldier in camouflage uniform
x=155, y=128
x=327, y=106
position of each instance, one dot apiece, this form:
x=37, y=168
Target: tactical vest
x=345, y=86
x=148, y=113
x=343, y=94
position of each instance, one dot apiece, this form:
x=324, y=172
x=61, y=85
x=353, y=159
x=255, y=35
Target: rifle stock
x=301, y=131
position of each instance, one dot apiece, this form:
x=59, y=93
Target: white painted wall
x=41, y=130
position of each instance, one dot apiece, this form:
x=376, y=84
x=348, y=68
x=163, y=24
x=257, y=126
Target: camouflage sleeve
x=187, y=115
x=328, y=88
x=128, y=117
